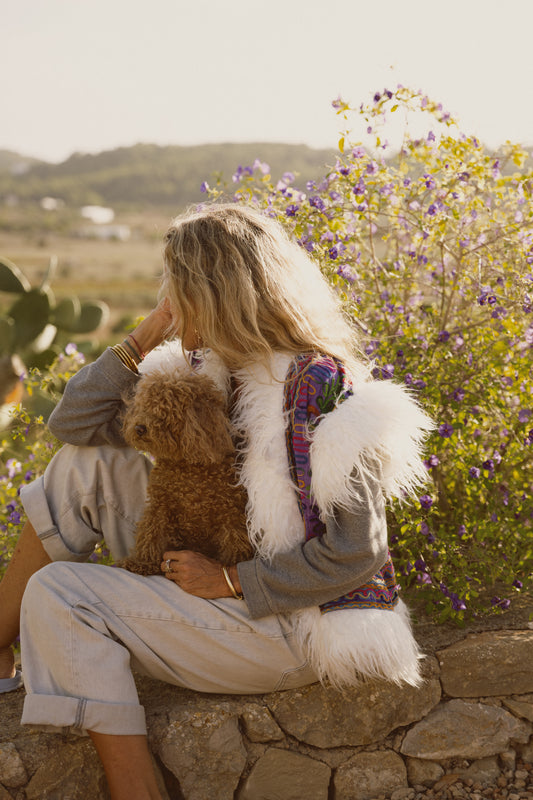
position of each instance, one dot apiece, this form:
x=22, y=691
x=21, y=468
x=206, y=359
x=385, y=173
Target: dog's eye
x=140, y=430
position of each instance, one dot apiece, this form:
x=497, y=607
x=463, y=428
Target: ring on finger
x=168, y=568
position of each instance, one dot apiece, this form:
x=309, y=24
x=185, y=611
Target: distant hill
x=148, y=174
x=14, y=163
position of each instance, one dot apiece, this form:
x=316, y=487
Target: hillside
x=148, y=174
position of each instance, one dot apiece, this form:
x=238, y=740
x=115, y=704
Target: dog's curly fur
x=194, y=502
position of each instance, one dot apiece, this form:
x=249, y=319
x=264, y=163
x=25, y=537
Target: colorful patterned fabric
x=315, y=386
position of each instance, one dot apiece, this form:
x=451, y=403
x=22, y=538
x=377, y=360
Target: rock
x=203, y=748
x=508, y=760
x=490, y=663
x=425, y=773
x=4, y=794
x=72, y=771
x=525, y=751
x=403, y=794
x=519, y=708
x=484, y=771
x=328, y=718
x=284, y=775
x=259, y=725
x=12, y=770
x=367, y=775
x=468, y=730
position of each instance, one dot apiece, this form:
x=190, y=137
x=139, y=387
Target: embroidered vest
x=313, y=388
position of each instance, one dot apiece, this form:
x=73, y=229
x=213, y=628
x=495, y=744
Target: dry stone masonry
x=472, y=718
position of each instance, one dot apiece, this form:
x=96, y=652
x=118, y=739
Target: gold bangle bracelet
x=125, y=357
x=231, y=587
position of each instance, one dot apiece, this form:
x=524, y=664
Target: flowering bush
x=431, y=250
x=27, y=447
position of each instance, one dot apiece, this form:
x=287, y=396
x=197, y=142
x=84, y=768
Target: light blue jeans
x=83, y=626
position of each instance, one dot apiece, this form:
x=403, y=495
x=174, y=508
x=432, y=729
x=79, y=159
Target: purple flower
x=488, y=464
x=264, y=167
x=425, y=502
x=358, y=152
x=71, y=349
x=459, y=395
x=474, y=472
x=431, y=136
x=424, y=528
x=387, y=372
x=457, y=603
x=333, y=252
x=524, y=414
x=503, y=604
x=430, y=183
x=291, y=211
x=446, y=430
x=345, y=272
x=372, y=168
x=443, y=336
x=432, y=461
x=518, y=584
x=461, y=531
x=317, y=202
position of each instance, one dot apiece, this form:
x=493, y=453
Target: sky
x=92, y=75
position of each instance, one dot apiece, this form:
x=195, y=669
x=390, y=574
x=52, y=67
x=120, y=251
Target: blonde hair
x=235, y=277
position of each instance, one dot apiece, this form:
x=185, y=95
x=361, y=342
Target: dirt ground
x=433, y=636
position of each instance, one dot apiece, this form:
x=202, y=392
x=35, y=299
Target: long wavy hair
x=234, y=276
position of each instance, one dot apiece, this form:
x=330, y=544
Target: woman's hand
x=154, y=328
x=198, y=574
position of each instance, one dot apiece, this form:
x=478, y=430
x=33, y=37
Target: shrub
x=431, y=250
x=27, y=447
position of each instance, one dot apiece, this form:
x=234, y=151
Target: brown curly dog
x=194, y=502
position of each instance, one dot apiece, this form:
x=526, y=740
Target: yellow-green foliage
x=431, y=249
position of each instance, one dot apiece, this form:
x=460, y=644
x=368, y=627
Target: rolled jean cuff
x=35, y=504
x=76, y=715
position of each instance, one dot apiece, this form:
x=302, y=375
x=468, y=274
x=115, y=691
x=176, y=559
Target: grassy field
x=125, y=274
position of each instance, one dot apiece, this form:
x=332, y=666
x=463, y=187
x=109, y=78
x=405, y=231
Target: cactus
x=34, y=324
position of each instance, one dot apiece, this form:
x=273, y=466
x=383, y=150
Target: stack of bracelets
x=129, y=354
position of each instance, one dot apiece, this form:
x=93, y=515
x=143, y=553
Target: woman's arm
x=89, y=411
x=353, y=548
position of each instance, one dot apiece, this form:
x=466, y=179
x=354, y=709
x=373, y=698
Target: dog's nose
x=140, y=430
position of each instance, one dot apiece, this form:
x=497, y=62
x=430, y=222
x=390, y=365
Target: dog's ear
x=206, y=431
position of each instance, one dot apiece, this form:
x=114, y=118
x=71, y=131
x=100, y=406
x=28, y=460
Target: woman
x=321, y=446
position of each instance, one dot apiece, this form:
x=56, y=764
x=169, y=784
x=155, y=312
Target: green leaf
x=30, y=313
x=67, y=313
x=11, y=278
x=92, y=315
x=7, y=334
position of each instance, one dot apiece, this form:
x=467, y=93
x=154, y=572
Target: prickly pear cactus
x=34, y=326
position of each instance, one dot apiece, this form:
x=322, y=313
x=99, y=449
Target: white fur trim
x=169, y=357
x=274, y=521
x=379, y=426
x=351, y=645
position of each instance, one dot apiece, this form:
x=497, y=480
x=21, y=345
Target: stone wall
x=473, y=717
